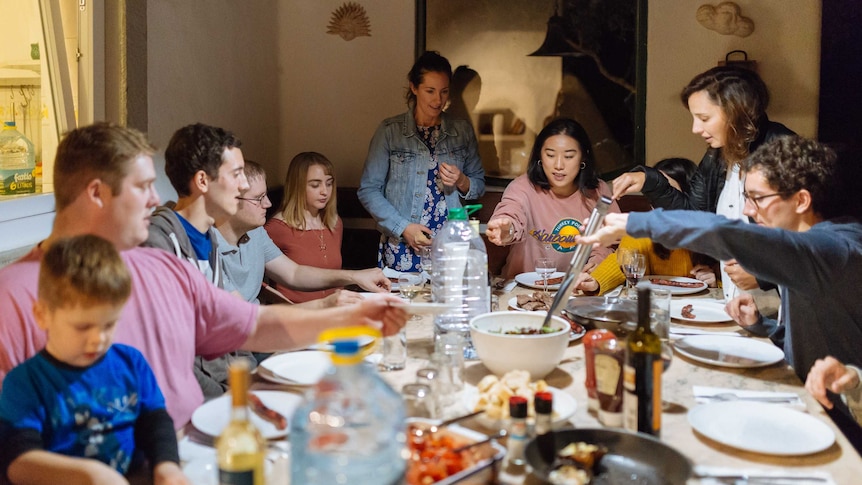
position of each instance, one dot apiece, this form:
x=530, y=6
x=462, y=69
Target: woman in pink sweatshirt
x=543, y=210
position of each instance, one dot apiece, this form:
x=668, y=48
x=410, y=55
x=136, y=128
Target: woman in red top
x=306, y=227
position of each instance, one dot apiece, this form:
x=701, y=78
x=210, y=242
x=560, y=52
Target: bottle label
x=642, y=395
x=17, y=181
x=245, y=477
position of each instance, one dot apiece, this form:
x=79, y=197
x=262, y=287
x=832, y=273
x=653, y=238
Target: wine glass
x=409, y=285
x=634, y=269
x=425, y=260
x=623, y=256
x=545, y=267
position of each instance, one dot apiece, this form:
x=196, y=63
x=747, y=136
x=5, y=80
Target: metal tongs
x=579, y=259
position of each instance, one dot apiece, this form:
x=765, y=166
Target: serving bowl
x=501, y=352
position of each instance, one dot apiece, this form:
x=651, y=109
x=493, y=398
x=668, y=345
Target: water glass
x=418, y=400
x=448, y=358
x=394, y=351
x=660, y=321
x=429, y=377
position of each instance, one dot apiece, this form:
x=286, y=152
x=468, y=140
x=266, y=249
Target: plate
x=302, y=368
x=212, y=417
x=529, y=280
x=565, y=406
x=729, y=351
x=761, y=428
x=677, y=290
x=704, y=310
x=629, y=455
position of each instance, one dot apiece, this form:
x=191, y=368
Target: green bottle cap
x=460, y=213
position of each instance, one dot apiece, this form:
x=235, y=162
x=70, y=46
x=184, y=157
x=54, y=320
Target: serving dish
x=487, y=456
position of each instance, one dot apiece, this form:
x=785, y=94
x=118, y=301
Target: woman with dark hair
x=420, y=164
x=543, y=210
x=728, y=108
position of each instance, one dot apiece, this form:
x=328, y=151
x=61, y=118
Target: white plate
x=529, y=280
x=761, y=428
x=729, y=351
x=212, y=417
x=704, y=310
x=513, y=304
x=565, y=406
x=303, y=368
x=677, y=290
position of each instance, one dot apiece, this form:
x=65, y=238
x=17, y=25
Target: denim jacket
x=393, y=181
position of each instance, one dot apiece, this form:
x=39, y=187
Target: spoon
x=442, y=424
x=499, y=434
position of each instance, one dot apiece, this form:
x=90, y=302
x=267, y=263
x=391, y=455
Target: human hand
x=169, y=473
x=829, y=374
x=341, y=298
x=704, y=273
x=416, y=236
x=741, y=278
x=452, y=176
x=500, y=231
x=612, y=230
x=586, y=283
x=743, y=310
x=628, y=183
x=386, y=314
x=371, y=279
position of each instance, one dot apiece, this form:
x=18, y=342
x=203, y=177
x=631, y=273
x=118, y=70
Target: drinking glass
x=634, y=269
x=425, y=260
x=545, y=267
x=660, y=321
x=623, y=257
x=409, y=285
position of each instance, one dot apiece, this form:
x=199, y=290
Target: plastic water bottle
x=460, y=276
x=17, y=161
x=350, y=429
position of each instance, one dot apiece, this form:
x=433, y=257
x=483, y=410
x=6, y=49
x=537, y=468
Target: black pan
x=631, y=458
x=609, y=313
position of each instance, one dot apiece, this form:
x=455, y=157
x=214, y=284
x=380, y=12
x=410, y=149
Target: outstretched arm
x=287, y=272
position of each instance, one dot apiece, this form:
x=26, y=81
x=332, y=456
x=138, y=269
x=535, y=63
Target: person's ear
x=201, y=181
x=803, y=201
x=95, y=192
x=40, y=314
x=414, y=89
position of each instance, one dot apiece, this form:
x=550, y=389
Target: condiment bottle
x=609, y=359
x=642, y=372
x=544, y=404
x=240, y=448
x=590, y=339
x=517, y=437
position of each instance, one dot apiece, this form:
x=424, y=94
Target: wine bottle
x=642, y=372
x=240, y=447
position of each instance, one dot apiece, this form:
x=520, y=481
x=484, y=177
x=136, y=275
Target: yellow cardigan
x=609, y=275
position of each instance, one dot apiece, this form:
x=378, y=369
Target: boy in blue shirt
x=82, y=409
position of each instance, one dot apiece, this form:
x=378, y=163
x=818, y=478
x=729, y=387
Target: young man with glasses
x=801, y=241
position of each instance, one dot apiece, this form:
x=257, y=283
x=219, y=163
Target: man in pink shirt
x=105, y=186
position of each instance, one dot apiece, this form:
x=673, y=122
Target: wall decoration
x=725, y=18
x=349, y=21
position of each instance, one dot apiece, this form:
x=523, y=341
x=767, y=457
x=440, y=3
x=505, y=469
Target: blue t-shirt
x=83, y=412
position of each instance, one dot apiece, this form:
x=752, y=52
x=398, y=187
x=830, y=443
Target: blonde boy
x=78, y=411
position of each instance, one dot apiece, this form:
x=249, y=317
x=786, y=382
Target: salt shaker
x=517, y=437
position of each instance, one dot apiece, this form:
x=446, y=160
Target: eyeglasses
x=755, y=200
x=255, y=200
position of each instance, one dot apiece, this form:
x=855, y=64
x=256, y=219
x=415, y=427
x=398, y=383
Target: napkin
x=784, y=476
x=703, y=394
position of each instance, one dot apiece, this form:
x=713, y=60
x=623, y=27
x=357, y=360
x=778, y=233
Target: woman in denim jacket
x=419, y=165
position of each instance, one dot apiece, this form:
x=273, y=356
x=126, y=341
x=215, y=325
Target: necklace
x=322, y=244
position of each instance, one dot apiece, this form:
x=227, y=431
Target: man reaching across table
x=798, y=243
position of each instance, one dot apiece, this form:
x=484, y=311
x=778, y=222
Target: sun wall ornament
x=725, y=18
x=349, y=21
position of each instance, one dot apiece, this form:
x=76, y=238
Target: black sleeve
x=16, y=442
x=156, y=438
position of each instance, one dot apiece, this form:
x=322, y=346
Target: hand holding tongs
x=579, y=259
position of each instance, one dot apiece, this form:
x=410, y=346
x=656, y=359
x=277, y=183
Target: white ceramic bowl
x=500, y=352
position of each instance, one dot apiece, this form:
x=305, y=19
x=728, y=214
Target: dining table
x=839, y=463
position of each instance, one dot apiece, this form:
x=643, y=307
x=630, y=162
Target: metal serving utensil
x=579, y=258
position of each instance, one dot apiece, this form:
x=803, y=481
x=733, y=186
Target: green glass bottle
x=642, y=372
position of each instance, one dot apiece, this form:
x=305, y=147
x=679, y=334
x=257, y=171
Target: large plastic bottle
x=17, y=161
x=460, y=262
x=350, y=429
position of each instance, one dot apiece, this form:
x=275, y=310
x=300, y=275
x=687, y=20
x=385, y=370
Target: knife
x=701, y=472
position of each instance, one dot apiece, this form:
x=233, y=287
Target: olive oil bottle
x=240, y=448
x=642, y=372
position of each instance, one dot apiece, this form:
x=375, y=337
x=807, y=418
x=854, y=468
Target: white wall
x=785, y=43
